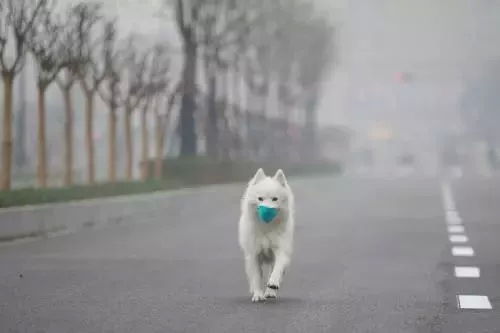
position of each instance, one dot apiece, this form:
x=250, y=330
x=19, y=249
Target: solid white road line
x=467, y=272
x=458, y=239
x=462, y=251
x=473, y=302
x=456, y=229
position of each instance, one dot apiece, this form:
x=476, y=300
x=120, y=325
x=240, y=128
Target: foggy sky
x=439, y=41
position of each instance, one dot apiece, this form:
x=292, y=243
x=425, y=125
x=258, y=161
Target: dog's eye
x=261, y=199
x=275, y=199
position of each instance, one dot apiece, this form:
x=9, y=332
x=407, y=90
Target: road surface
x=371, y=256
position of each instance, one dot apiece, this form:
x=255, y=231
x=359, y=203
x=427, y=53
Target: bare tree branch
x=91, y=70
x=17, y=18
x=45, y=41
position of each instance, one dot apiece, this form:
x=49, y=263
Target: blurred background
x=390, y=107
x=107, y=91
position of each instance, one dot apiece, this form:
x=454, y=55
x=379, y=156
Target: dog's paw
x=270, y=293
x=273, y=284
x=258, y=296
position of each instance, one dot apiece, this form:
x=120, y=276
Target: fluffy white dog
x=266, y=232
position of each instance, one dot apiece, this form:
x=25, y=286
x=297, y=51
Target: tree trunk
x=160, y=140
x=112, y=145
x=5, y=172
x=237, y=110
x=264, y=97
x=42, y=138
x=266, y=138
x=68, y=138
x=212, y=129
x=89, y=136
x=284, y=110
x=311, y=150
x=129, y=148
x=145, y=144
x=224, y=131
x=188, y=103
x=235, y=89
x=20, y=153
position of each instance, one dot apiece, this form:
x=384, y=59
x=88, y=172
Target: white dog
x=266, y=231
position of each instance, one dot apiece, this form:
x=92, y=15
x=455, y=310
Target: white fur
x=272, y=241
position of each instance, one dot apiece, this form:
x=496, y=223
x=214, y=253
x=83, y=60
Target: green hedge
x=33, y=196
x=201, y=170
x=178, y=173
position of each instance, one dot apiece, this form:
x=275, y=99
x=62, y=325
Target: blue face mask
x=266, y=214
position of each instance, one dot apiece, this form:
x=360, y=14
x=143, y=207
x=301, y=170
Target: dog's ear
x=258, y=177
x=280, y=178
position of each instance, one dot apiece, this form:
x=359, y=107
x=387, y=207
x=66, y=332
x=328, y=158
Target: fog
x=408, y=80
x=441, y=47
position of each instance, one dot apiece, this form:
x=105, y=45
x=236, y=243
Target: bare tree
x=317, y=34
x=16, y=22
x=257, y=71
x=149, y=102
x=45, y=42
x=187, y=19
x=162, y=119
x=110, y=91
x=157, y=86
x=131, y=95
x=223, y=26
x=280, y=54
x=91, y=70
x=192, y=17
x=78, y=23
x=236, y=67
x=209, y=24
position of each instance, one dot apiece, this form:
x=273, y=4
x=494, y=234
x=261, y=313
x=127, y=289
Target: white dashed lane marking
x=474, y=302
x=467, y=272
x=458, y=239
x=462, y=251
x=449, y=203
x=453, y=218
x=456, y=229
x=457, y=236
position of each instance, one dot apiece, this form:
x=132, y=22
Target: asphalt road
x=370, y=256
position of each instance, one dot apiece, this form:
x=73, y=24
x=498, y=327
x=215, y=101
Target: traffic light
x=403, y=77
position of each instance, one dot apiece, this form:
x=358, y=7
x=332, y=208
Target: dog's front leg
x=254, y=275
x=282, y=260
